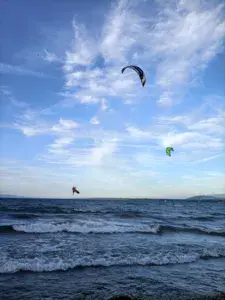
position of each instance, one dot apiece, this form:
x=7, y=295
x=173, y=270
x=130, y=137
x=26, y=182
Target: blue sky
x=69, y=117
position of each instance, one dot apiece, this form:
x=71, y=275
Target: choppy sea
x=96, y=249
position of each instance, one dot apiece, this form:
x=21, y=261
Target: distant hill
x=208, y=197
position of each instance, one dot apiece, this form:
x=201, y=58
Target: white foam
x=46, y=264
x=85, y=227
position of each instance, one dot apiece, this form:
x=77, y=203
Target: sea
x=103, y=248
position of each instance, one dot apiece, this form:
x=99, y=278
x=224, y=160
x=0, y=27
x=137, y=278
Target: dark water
x=95, y=249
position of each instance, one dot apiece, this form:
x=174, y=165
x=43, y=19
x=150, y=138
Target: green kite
x=168, y=150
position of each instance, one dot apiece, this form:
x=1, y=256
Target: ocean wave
x=6, y=228
x=86, y=227
x=98, y=227
x=24, y=216
x=203, y=218
x=43, y=264
x=26, y=211
x=43, y=210
x=219, y=232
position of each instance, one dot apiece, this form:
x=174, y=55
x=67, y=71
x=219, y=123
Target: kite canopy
x=139, y=71
x=168, y=150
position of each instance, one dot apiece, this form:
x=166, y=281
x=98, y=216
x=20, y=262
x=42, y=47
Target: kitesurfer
x=75, y=190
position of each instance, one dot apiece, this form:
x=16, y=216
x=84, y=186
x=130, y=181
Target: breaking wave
x=43, y=264
x=92, y=227
x=104, y=228
x=219, y=232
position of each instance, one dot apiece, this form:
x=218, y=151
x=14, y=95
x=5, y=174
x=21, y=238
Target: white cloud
x=62, y=142
x=185, y=38
x=182, y=40
x=95, y=120
x=29, y=131
x=204, y=145
x=100, y=154
x=123, y=28
x=31, y=125
x=94, y=84
x=88, y=99
x=83, y=50
x=174, y=119
x=101, y=144
x=59, y=148
x=27, y=123
x=97, y=84
x=139, y=134
x=166, y=99
x=103, y=151
x=214, y=125
x=192, y=140
x=128, y=101
x=68, y=124
x=64, y=126
x=50, y=56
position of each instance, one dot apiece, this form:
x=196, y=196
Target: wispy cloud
x=195, y=139
x=203, y=178
x=99, y=154
x=30, y=126
x=141, y=135
x=205, y=159
x=192, y=140
x=64, y=125
x=50, y=56
x=106, y=149
x=182, y=38
x=19, y=70
x=31, y=131
x=62, y=142
x=204, y=144
x=214, y=125
x=186, y=38
x=125, y=28
x=59, y=146
x=7, y=94
x=83, y=50
x=98, y=63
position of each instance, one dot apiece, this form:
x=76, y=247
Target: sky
x=69, y=117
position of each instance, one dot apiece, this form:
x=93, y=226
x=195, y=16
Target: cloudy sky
x=68, y=115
